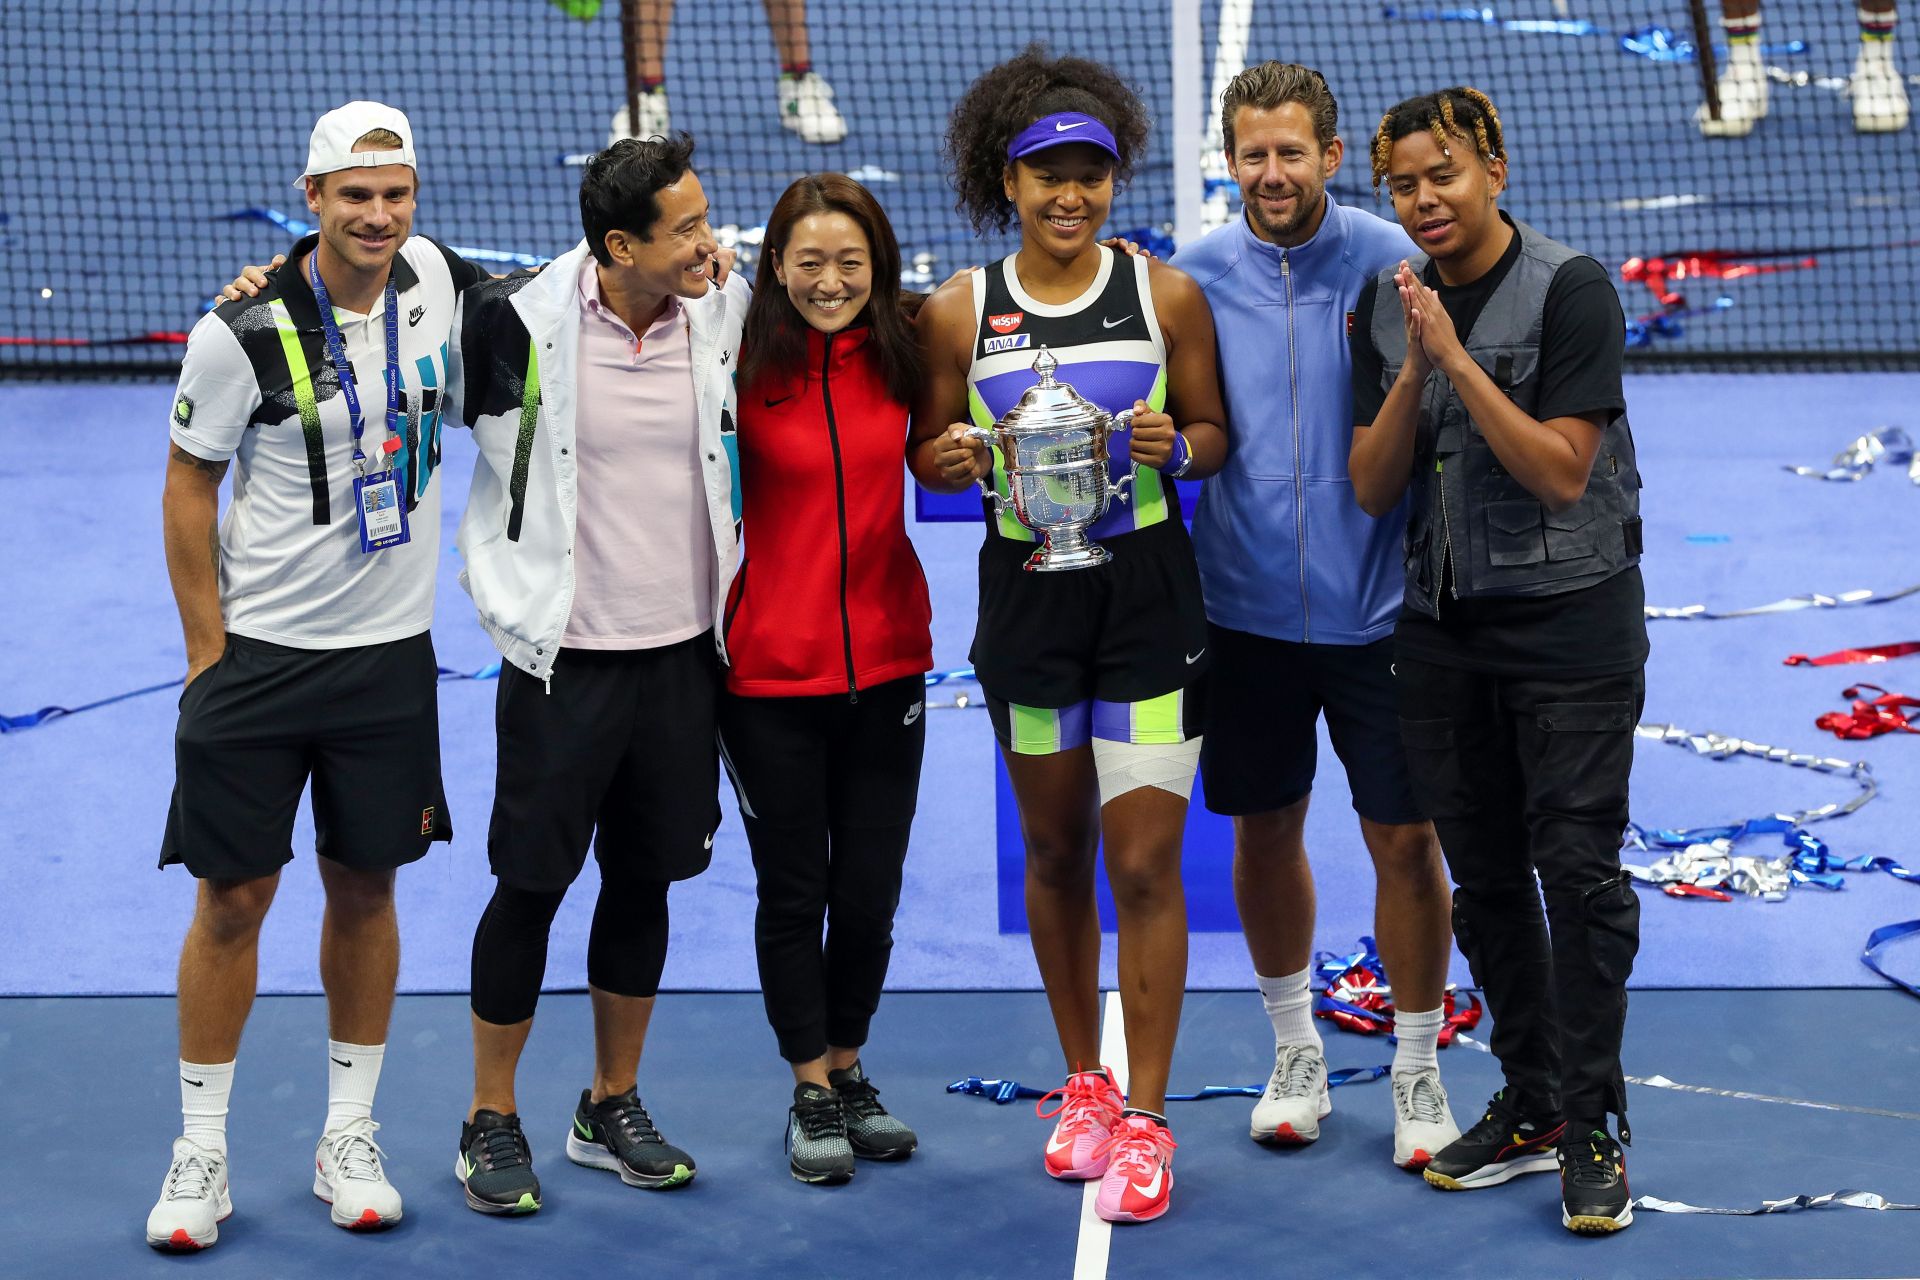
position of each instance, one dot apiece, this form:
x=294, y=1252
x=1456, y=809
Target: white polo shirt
x=257, y=387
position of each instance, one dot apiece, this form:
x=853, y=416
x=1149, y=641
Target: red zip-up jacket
x=830, y=597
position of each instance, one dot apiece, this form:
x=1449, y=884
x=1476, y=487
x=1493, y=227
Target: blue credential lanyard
x=377, y=501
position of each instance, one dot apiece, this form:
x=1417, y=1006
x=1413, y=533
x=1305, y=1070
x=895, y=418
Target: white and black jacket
x=512, y=380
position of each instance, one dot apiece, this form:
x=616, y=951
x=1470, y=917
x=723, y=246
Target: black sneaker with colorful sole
x=1594, y=1199
x=495, y=1165
x=617, y=1134
x=1505, y=1144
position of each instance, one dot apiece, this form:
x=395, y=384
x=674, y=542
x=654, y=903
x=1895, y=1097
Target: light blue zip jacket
x=1284, y=549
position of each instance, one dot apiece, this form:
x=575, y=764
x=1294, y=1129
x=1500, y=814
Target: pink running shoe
x=1089, y=1110
x=1138, y=1185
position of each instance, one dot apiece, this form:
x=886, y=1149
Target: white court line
x=1096, y=1233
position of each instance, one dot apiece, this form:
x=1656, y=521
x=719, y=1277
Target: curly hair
x=1461, y=112
x=1011, y=96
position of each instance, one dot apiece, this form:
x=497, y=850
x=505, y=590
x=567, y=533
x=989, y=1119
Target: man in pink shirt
x=599, y=539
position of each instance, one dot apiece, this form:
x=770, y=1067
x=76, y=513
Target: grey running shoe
x=817, y=1146
x=873, y=1134
x=495, y=1165
x=617, y=1134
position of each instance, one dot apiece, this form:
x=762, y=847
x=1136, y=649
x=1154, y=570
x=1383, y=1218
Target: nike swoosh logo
x=413, y=316
x=1114, y=324
x=471, y=1166
x=198, y=1084
x=336, y=1060
x=1152, y=1189
x=582, y=1129
x=1195, y=657
x=1062, y=128
x=782, y=400
x=913, y=713
x=709, y=839
x=1054, y=1144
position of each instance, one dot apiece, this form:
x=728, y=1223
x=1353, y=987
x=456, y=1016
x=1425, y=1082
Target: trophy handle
x=988, y=437
x=1122, y=421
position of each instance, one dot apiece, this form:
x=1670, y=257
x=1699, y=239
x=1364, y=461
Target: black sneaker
x=1593, y=1184
x=871, y=1132
x=496, y=1166
x=1505, y=1144
x=817, y=1146
x=617, y=1134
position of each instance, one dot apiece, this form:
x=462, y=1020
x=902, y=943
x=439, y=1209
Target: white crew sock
x=204, y=1090
x=1289, y=1002
x=1418, y=1035
x=353, y=1073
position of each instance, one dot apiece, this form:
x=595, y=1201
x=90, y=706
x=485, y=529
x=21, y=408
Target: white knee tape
x=1128, y=766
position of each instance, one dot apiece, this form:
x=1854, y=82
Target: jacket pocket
x=1570, y=533
x=1514, y=533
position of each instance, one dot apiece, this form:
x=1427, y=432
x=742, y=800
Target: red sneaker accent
x=1421, y=1159
x=1088, y=1110
x=1286, y=1134
x=369, y=1221
x=181, y=1240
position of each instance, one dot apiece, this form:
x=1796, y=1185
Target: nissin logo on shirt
x=1007, y=323
x=1012, y=342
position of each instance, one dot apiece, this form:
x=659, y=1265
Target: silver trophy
x=1053, y=445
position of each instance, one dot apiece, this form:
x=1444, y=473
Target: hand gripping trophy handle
x=988, y=437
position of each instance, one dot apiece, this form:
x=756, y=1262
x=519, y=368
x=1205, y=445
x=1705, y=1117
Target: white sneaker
x=193, y=1200
x=348, y=1176
x=655, y=121
x=1422, y=1122
x=806, y=107
x=1879, y=93
x=1743, y=99
x=1296, y=1100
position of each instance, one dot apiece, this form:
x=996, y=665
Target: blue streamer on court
x=1005, y=1091
x=33, y=719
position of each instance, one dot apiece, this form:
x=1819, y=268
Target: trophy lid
x=1050, y=405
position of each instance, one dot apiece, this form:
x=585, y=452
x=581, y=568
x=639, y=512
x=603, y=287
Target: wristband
x=1182, y=460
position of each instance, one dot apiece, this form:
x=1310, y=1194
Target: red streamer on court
x=1662, y=274
x=1849, y=657
x=1869, y=718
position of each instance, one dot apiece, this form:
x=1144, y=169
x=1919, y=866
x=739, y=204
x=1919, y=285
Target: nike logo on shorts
x=1113, y=324
x=1195, y=657
x=709, y=840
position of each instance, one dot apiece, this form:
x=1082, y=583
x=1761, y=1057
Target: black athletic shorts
x=1260, y=746
x=619, y=755
x=362, y=723
x=1125, y=631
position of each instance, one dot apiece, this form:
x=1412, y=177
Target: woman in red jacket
x=822, y=727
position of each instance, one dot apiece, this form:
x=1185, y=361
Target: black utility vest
x=1465, y=506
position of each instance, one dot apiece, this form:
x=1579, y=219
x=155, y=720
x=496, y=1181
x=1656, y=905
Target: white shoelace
x=1418, y=1097
x=356, y=1156
x=1295, y=1073
x=192, y=1178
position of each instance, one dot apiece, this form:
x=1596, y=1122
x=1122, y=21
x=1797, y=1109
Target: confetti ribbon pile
x=1870, y=717
x=1356, y=995
x=1890, y=445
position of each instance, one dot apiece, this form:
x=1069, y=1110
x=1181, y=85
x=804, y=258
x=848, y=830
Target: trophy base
x=1052, y=559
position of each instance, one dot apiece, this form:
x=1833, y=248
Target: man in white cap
x=306, y=615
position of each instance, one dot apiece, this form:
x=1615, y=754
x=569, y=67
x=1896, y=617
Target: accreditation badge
x=383, y=516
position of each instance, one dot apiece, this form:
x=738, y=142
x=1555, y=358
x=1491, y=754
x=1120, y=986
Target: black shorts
x=619, y=755
x=1261, y=744
x=1129, y=630
x=362, y=723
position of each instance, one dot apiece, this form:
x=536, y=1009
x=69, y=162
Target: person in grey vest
x=1487, y=391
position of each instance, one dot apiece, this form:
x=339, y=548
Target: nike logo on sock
x=337, y=1062
x=198, y=1084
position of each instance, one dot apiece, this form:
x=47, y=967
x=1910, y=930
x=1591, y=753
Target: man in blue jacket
x=1302, y=590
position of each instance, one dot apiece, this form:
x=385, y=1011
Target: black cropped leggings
x=626, y=950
